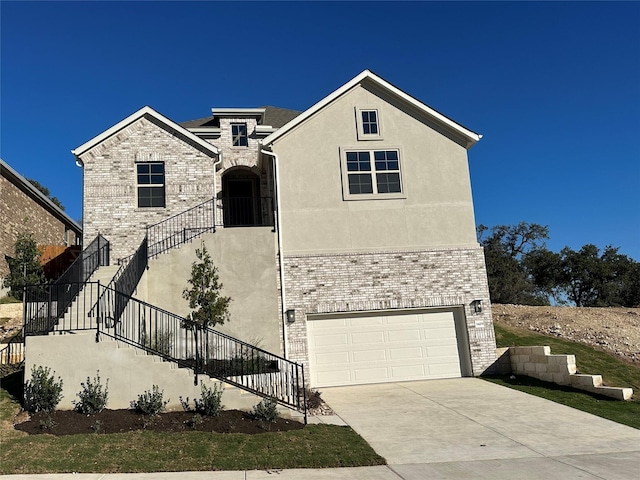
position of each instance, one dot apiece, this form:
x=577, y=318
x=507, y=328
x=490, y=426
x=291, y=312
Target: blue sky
x=553, y=87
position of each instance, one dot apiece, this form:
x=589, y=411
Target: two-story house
x=366, y=268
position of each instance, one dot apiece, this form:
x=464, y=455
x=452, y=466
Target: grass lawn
x=315, y=446
x=615, y=372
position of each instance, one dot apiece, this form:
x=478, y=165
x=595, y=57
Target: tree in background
x=522, y=270
x=24, y=267
x=504, y=249
x=591, y=279
x=45, y=191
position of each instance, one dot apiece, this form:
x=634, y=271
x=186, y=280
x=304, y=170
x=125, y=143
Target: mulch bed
x=65, y=422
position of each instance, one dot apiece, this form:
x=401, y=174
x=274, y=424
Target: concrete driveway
x=470, y=428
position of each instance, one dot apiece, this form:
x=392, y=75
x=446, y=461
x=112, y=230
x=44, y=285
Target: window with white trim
x=372, y=174
x=150, y=184
x=368, y=120
x=239, y=134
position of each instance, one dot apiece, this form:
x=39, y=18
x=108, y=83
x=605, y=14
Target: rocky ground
x=615, y=330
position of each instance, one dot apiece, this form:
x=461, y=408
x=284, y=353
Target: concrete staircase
x=80, y=315
x=129, y=370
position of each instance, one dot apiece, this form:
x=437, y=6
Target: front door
x=239, y=202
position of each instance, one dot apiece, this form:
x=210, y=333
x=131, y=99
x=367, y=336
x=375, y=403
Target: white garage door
x=367, y=349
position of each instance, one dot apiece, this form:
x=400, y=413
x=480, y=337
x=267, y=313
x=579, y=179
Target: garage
x=352, y=349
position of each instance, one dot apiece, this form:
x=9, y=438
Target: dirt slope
x=616, y=330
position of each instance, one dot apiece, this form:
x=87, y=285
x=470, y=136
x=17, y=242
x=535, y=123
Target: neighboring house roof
x=134, y=117
x=27, y=187
x=469, y=137
x=273, y=116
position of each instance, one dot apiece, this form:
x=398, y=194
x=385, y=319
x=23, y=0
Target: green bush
x=210, y=402
x=42, y=393
x=313, y=398
x=93, y=396
x=150, y=402
x=266, y=410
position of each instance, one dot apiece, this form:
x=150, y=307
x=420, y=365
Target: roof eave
x=470, y=137
x=132, y=118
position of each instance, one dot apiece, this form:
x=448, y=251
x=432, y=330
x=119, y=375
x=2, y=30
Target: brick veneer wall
x=391, y=280
x=20, y=212
x=110, y=196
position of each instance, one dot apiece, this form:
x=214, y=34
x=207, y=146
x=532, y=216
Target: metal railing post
x=98, y=315
x=195, y=336
x=304, y=395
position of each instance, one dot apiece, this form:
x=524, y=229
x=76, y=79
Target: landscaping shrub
x=313, y=398
x=150, y=402
x=210, y=402
x=93, y=396
x=42, y=393
x=266, y=410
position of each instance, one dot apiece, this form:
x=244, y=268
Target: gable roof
x=26, y=186
x=136, y=116
x=469, y=136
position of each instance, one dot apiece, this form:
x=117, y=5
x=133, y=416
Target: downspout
x=278, y=223
x=215, y=188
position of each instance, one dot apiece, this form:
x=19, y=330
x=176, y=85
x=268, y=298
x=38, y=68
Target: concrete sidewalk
x=455, y=429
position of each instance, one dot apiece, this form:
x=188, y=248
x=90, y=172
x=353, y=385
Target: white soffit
x=471, y=136
x=135, y=116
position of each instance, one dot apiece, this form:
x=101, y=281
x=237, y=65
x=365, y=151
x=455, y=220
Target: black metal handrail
x=51, y=301
x=246, y=211
x=128, y=276
x=181, y=228
x=203, y=350
x=174, y=338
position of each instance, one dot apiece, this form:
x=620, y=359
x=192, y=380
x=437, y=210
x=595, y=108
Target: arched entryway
x=241, y=198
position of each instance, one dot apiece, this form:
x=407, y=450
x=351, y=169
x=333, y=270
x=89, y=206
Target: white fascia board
x=207, y=130
x=265, y=129
x=367, y=74
x=237, y=112
x=135, y=116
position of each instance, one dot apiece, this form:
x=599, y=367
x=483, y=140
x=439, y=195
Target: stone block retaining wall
x=538, y=362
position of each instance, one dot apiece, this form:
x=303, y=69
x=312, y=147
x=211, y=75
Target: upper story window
x=368, y=120
x=371, y=174
x=239, y=134
x=150, y=183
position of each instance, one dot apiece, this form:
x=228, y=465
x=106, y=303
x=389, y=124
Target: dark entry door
x=240, y=200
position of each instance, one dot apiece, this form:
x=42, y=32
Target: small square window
x=368, y=124
x=239, y=135
x=150, y=185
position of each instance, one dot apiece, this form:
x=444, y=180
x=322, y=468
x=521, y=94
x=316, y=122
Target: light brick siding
x=110, y=196
x=246, y=157
x=21, y=212
x=386, y=281
x=238, y=156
